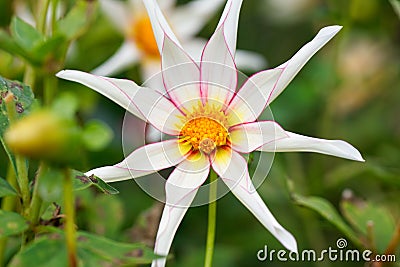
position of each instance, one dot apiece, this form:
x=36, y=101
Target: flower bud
x=44, y=135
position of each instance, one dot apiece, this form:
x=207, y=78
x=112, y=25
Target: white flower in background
x=23, y=12
x=139, y=46
x=210, y=122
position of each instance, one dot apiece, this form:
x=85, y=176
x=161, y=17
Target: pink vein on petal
x=173, y=100
x=274, y=140
x=115, y=85
x=204, y=95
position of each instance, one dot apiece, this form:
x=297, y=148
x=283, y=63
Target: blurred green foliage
x=349, y=90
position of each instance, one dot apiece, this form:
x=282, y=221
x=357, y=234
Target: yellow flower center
x=205, y=129
x=142, y=33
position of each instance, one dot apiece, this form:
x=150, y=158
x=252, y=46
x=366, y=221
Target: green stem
x=41, y=20
x=69, y=206
x=23, y=182
x=29, y=76
x=54, y=15
x=36, y=202
x=212, y=216
x=50, y=83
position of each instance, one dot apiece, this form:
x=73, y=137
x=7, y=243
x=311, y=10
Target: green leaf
x=99, y=219
x=6, y=189
x=24, y=99
x=361, y=213
x=50, y=187
x=23, y=96
x=92, y=250
x=81, y=181
x=108, y=250
x=46, y=251
x=74, y=23
x=26, y=36
x=96, y=135
x=327, y=211
x=8, y=44
x=11, y=223
x=48, y=48
x=27, y=43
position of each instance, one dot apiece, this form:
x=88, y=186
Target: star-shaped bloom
x=211, y=123
x=139, y=45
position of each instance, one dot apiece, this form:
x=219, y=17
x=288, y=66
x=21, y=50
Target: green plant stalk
x=69, y=206
x=8, y=204
x=212, y=216
x=23, y=182
x=54, y=15
x=36, y=202
x=29, y=76
x=50, y=83
x=22, y=172
x=43, y=7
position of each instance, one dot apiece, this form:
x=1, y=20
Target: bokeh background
x=349, y=90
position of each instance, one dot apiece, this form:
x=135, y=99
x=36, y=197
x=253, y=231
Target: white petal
x=229, y=21
x=293, y=65
x=117, y=12
x=187, y=20
x=251, y=99
x=244, y=59
x=152, y=134
x=116, y=173
x=181, y=188
x=188, y=175
x=159, y=24
x=156, y=156
x=248, y=60
x=151, y=73
x=167, y=4
x=194, y=47
x=158, y=110
x=118, y=90
x=301, y=143
x=228, y=163
x=232, y=168
x=135, y=4
x=181, y=76
x=246, y=138
x=125, y=57
x=217, y=70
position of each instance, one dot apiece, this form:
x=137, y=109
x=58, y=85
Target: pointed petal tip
x=66, y=74
x=286, y=238
x=333, y=29
x=60, y=73
x=352, y=152
x=359, y=158
x=294, y=249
